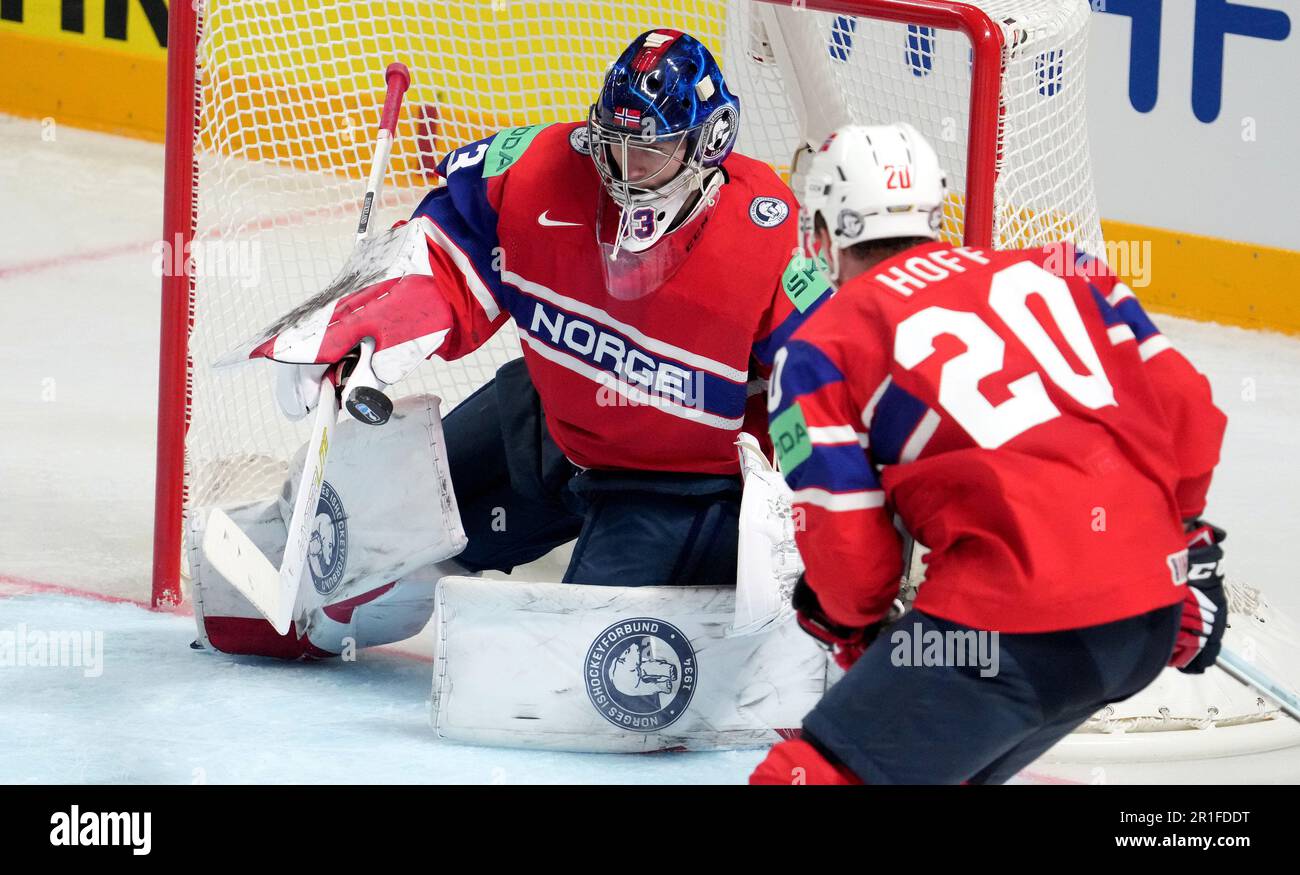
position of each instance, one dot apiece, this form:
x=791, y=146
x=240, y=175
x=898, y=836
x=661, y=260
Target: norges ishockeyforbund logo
x=719, y=133
x=641, y=674
x=327, y=552
x=768, y=212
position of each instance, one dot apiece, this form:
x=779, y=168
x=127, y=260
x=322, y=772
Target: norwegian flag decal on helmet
x=627, y=116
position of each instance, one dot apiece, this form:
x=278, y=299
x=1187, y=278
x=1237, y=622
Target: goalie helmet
x=873, y=183
x=659, y=130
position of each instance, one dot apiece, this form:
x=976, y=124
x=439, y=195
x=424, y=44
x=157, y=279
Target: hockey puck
x=369, y=405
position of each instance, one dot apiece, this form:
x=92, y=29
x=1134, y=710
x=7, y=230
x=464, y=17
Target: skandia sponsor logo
x=655, y=380
x=77, y=828
x=641, y=674
x=327, y=551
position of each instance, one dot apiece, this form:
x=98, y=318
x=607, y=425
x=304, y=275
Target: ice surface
x=79, y=298
x=157, y=711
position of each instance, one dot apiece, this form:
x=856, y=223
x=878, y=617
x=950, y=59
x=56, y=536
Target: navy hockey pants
x=519, y=498
x=898, y=719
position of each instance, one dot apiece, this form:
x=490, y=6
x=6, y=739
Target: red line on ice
x=39, y=265
x=8, y=271
x=1040, y=778
x=11, y=585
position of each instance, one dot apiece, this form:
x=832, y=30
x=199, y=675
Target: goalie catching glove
x=846, y=643
x=385, y=294
x=1205, y=605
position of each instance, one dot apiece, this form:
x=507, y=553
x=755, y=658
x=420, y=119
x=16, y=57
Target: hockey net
x=283, y=97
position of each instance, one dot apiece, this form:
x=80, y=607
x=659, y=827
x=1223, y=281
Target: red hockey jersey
x=1023, y=418
x=663, y=382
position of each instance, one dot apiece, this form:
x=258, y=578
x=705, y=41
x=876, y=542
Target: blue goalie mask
x=662, y=126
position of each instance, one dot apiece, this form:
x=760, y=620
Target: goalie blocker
x=386, y=513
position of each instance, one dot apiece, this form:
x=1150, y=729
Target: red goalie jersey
x=1024, y=419
x=661, y=381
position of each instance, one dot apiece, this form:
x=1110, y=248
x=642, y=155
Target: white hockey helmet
x=873, y=183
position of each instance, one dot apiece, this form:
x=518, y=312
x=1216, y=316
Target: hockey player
x=642, y=261
x=1024, y=419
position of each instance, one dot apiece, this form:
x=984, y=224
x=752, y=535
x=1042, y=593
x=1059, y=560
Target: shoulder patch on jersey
x=507, y=147
x=790, y=438
x=580, y=140
x=768, y=212
x=805, y=280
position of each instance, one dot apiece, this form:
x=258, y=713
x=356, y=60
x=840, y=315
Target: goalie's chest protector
x=656, y=383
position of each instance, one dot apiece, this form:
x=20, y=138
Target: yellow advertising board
x=98, y=64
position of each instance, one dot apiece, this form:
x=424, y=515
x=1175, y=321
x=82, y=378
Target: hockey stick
x=274, y=592
x=1243, y=671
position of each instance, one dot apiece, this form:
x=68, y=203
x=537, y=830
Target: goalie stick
x=274, y=592
x=1243, y=671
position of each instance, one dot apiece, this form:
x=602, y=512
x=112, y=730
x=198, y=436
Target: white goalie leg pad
x=613, y=669
x=386, y=509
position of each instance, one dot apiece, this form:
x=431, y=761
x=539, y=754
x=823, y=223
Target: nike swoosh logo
x=554, y=223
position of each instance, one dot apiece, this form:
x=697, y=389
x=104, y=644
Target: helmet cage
x=611, y=148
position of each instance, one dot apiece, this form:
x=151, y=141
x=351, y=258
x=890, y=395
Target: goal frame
x=180, y=219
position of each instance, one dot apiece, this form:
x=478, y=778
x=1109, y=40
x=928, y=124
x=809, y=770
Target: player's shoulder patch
x=580, y=140
x=759, y=191
x=767, y=211
x=507, y=147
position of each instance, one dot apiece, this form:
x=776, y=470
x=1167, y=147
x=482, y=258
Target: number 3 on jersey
x=467, y=157
x=992, y=425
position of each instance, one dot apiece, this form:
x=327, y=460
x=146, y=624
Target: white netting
x=1257, y=632
x=289, y=99
x=1186, y=718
